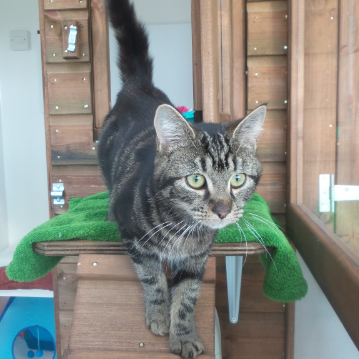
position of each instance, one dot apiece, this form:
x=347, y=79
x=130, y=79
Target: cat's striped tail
x=134, y=61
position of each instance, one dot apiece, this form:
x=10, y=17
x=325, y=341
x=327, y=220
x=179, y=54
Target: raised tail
x=134, y=61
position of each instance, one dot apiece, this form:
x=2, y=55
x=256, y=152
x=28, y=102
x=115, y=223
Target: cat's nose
x=221, y=209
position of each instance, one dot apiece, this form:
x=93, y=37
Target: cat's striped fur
x=146, y=152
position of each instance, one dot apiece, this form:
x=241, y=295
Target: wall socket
x=20, y=40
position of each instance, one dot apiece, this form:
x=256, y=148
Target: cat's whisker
x=173, y=237
x=266, y=220
x=190, y=233
x=164, y=236
x=181, y=236
x=256, y=234
x=158, y=192
x=178, y=238
x=152, y=230
x=156, y=233
x=266, y=225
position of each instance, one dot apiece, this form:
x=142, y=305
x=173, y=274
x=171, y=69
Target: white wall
x=319, y=334
x=23, y=131
x=4, y=240
x=168, y=25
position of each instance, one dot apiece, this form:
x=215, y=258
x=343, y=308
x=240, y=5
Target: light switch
x=20, y=40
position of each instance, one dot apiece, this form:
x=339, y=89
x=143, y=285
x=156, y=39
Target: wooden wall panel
x=272, y=141
x=64, y=4
x=272, y=186
x=79, y=182
x=259, y=332
x=267, y=28
x=54, y=28
x=69, y=89
x=267, y=82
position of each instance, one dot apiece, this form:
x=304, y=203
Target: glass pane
x=347, y=166
x=331, y=116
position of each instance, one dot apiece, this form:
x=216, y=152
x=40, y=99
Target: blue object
x=189, y=116
x=39, y=353
x=30, y=354
x=22, y=313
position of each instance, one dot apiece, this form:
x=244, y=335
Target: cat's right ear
x=172, y=130
x=247, y=131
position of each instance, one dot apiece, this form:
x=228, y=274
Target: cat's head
x=206, y=172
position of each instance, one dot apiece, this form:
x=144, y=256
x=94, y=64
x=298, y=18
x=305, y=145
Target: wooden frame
x=333, y=265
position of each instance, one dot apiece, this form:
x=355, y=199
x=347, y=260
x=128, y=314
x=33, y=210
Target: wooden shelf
x=76, y=247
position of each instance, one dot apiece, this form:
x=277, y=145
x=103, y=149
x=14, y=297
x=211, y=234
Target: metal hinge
x=71, y=46
x=330, y=193
x=57, y=193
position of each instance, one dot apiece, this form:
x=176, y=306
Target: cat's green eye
x=238, y=180
x=196, y=181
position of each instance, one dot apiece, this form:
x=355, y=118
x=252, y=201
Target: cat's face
x=206, y=173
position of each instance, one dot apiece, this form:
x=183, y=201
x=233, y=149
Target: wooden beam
x=239, y=59
x=209, y=56
x=296, y=31
x=196, y=55
x=100, y=60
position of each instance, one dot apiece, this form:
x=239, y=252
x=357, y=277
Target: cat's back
x=128, y=129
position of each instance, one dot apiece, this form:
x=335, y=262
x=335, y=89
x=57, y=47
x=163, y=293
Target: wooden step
x=121, y=355
x=109, y=311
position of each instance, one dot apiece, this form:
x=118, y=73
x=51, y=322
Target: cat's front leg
x=155, y=292
x=187, y=280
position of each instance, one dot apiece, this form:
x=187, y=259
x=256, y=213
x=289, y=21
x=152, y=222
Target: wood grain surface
x=76, y=247
x=267, y=28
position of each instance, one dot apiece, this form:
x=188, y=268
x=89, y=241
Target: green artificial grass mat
x=86, y=219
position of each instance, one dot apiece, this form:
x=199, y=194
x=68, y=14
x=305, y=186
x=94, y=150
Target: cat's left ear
x=172, y=129
x=248, y=130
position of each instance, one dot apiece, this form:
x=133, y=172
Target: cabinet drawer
x=56, y=33
x=64, y=4
x=69, y=88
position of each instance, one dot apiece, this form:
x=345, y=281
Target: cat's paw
x=186, y=348
x=158, y=322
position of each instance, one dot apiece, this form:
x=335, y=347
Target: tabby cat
x=172, y=184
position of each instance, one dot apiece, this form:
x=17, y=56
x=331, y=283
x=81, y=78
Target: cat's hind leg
x=187, y=280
